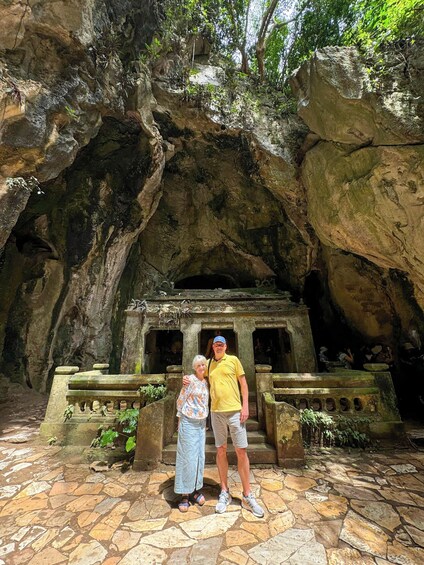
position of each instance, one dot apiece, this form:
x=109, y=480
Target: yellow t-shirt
x=223, y=382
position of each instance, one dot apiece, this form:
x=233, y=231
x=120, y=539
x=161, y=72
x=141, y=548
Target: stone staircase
x=260, y=452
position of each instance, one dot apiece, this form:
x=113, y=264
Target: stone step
x=253, y=437
x=259, y=454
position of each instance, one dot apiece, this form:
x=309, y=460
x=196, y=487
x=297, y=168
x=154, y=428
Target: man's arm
x=244, y=414
x=186, y=380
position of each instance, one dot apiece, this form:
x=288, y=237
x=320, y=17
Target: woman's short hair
x=199, y=359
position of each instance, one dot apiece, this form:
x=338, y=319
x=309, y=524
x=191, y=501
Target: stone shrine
x=252, y=320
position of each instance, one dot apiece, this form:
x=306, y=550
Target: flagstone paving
x=343, y=508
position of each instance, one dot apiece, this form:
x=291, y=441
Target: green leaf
x=130, y=444
x=107, y=437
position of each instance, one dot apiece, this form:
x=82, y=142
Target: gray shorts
x=221, y=421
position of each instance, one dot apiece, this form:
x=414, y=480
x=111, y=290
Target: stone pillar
x=133, y=346
x=302, y=343
x=53, y=424
x=264, y=383
x=102, y=367
x=288, y=436
x=244, y=330
x=191, y=331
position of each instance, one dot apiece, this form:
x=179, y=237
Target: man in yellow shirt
x=228, y=411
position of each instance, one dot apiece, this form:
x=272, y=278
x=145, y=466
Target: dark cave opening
x=207, y=282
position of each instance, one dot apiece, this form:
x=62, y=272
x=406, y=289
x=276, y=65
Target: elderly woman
x=192, y=410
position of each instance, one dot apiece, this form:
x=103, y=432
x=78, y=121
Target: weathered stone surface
x=281, y=523
x=239, y=537
x=328, y=532
x=347, y=556
x=205, y=551
x=299, y=484
x=357, y=492
x=210, y=526
x=334, y=508
x=171, y=537
x=304, y=511
x=144, y=554
x=416, y=534
x=413, y=515
x=145, y=525
x=406, y=468
x=88, y=554
x=260, y=530
x=47, y=116
x=273, y=502
x=398, y=553
x=363, y=535
x=294, y=546
x=379, y=512
x=334, y=92
x=49, y=555
x=235, y=555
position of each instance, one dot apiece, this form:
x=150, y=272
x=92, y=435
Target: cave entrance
x=272, y=346
x=206, y=339
x=163, y=348
x=209, y=282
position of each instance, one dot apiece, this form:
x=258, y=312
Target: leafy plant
x=72, y=113
x=327, y=431
x=127, y=420
x=126, y=430
x=151, y=393
x=52, y=440
x=68, y=412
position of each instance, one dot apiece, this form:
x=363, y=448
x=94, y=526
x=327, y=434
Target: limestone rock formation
x=66, y=69
x=364, y=176
x=113, y=180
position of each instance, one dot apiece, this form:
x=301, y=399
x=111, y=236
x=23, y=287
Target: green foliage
x=72, y=114
x=130, y=444
x=128, y=419
x=68, y=412
x=270, y=39
x=125, y=429
x=153, y=51
x=52, y=440
x=327, y=431
x=151, y=393
x=319, y=23
x=107, y=437
x=382, y=21
x=275, y=47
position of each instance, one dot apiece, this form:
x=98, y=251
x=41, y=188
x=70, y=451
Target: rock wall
x=364, y=179
x=67, y=75
x=110, y=184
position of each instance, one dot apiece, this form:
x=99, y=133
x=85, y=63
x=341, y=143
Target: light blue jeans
x=190, y=461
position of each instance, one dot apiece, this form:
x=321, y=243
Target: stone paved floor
x=343, y=508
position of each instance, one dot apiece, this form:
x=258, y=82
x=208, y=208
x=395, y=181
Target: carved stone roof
x=218, y=294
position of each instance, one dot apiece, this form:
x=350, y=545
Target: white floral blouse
x=193, y=399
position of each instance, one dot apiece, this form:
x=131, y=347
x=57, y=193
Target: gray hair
x=199, y=359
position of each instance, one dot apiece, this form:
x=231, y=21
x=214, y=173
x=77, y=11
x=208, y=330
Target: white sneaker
x=224, y=500
x=249, y=503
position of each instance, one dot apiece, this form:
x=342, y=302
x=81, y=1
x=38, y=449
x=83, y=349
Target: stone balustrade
x=349, y=393
x=80, y=402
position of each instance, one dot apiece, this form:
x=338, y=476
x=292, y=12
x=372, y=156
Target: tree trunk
x=260, y=56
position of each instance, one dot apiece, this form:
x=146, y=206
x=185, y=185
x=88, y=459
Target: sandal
x=184, y=504
x=199, y=498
